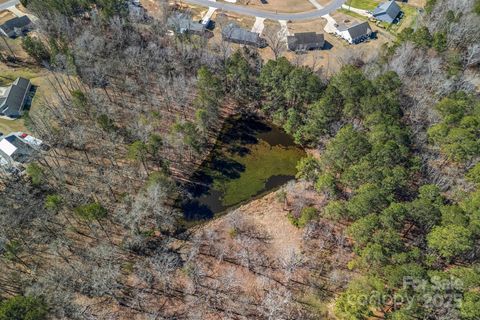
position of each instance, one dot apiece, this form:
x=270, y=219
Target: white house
x=17, y=148
x=355, y=33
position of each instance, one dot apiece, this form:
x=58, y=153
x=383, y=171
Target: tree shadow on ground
x=238, y=136
x=194, y=210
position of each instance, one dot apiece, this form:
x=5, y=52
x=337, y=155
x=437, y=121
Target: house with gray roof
x=182, y=23
x=356, y=33
x=17, y=149
x=15, y=27
x=305, y=41
x=13, y=98
x=387, y=11
x=235, y=34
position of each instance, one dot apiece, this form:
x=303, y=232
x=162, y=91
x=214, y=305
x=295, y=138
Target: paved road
x=335, y=4
x=10, y=3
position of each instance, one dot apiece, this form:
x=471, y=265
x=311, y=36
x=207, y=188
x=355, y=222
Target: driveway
x=316, y=4
x=208, y=15
x=259, y=25
x=309, y=15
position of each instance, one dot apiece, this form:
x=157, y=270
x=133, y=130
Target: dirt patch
x=255, y=254
x=153, y=7
x=269, y=215
x=5, y=16
x=417, y=3
x=346, y=19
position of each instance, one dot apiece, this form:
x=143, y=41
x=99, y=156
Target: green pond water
x=251, y=158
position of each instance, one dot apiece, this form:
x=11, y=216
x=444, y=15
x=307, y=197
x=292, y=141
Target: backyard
x=39, y=79
x=409, y=18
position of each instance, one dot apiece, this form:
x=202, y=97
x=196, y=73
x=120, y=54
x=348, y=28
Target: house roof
x=17, y=22
x=390, y=8
x=182, y=22
x=12, y=102
x=16, y=149
x=234, y=32
x=305, y=38
x=357, y=30
x=6, y=147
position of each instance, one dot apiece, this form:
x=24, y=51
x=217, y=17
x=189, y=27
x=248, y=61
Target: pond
x=250, y=158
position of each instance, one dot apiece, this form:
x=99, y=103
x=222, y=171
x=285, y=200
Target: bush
x=476, y=7
x=308, y=168
x=23, y=308
x=92, y=211
x=307, y=215
x=53, y=202
x=440, y=41
x=473, y=174
x=326, y=184
x=454, y=64
x=35, y=172
x=105, y=123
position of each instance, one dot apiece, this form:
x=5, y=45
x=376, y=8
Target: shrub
x=440, y=41
x=473, y=174
x=35, y=172
x=23, y=308
x=476, y=7
x=53, y=202
x=233, y=232
x=307, y=214
x=308, y=168
x=326, y=184
x=92, y=211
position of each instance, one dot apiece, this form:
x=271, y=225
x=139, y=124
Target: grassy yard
x=352, y=14
x=7, y=126
x=38, y=77
x=363, y=4
x=410, y=15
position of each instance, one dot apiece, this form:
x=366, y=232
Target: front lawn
x=363, y=4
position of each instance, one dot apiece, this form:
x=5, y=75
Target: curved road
x=333, y=5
